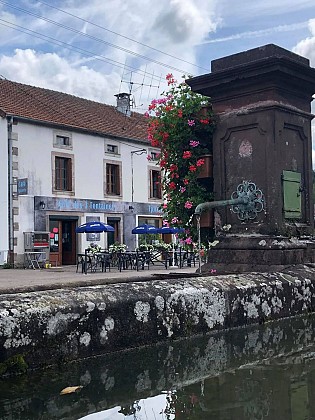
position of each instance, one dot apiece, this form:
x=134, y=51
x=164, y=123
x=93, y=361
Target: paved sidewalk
x=20, y=280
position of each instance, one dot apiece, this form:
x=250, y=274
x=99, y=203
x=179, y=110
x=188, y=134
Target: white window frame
x=154, y=151
x=150, y=180
x=113, y=144
x=119, y=164
x=53, y=168
x=65, y=135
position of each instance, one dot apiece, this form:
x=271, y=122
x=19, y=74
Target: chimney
x=123, y=103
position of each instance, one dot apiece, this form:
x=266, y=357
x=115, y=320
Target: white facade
x=4, y=221
x=40, y=207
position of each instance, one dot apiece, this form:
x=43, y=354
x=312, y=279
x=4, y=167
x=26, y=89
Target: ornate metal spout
x=247, y=201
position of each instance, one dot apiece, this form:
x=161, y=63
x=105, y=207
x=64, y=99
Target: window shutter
x=292, y=194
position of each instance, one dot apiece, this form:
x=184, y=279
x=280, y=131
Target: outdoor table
x=33, y=259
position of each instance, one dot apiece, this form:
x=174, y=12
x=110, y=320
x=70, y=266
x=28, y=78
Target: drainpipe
x=10, y=193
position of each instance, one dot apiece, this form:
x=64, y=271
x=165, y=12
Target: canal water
x=253, y=373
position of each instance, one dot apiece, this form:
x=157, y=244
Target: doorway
x=62, y=241
x=113, y=237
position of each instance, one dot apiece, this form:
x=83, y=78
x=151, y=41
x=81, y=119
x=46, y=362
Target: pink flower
x=200, y=162
x=186, y=154
x=164, y=206
x=188, y=205
x=170, y=79
x=165, y=223
x=182, y=189
x=213, y=271
x=186, y=181
x=194, y=143
x=174, y=220
x=149, y=157
x=188, y=241
x=191, y=122
x=192, y=168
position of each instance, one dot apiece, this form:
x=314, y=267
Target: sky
x=98, y=48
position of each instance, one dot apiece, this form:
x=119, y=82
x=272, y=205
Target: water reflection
x=254, y=373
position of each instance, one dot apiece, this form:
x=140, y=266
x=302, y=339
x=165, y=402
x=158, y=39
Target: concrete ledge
x=49, y=327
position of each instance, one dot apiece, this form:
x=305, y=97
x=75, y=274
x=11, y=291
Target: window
x=112, y=181
x=112, y=148
x=155, y=184
x=62, y=180
x=63, y=140
x=153, y=154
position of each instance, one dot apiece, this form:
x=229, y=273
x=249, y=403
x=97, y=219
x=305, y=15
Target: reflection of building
x=252, y=392
x=67, y=160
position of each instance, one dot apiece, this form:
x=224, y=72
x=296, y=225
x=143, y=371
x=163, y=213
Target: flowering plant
x=145, y=247
x=181, y=125
x=117, y=247
x=162, y=246
x=94, y=248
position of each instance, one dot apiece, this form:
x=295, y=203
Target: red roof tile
x=48, y=106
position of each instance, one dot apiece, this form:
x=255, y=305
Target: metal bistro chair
x=84, y=260
x=105, y=260
x=143, y=259
x=126, y=260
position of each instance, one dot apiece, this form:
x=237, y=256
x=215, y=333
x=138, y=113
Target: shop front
x=60, y=217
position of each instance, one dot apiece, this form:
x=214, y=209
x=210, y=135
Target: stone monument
x=262, y=99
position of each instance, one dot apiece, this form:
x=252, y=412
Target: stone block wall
x=50, y=327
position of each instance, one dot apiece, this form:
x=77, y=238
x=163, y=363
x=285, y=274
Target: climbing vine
x=181, y=124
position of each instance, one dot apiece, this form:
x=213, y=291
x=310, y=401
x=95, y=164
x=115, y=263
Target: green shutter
x=291, y=194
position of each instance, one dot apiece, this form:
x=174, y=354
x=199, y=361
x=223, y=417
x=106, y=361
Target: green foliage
x=181, y=124
x=118, y=247
x=13, y=365
x=7, y=266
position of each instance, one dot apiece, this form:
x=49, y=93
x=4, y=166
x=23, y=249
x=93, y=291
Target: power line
x=70, y=47
x=122, y=36
x=76, y=31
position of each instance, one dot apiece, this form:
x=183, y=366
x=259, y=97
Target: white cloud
x=306, y=47
x=53, y=72
x=259, y=33
x=172, y=26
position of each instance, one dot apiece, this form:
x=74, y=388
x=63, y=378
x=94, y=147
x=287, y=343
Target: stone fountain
x=262, y=147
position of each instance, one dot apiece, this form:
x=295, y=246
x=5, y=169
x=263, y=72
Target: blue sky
x=97, y=48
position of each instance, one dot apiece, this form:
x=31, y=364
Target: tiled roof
x=59, y=108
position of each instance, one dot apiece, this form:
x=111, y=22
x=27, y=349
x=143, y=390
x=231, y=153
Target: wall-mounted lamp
x=42, y=205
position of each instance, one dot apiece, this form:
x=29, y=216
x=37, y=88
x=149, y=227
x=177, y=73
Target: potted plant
x=117, y=247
